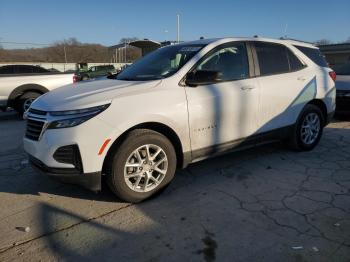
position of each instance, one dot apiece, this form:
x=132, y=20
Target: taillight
x=75, y=78
x=333, y=75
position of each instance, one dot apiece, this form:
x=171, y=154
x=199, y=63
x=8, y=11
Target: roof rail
x=296, y=40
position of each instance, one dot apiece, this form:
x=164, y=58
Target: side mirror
x=202, y=77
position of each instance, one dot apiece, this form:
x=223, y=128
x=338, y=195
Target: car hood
x=89, y=94
x=343, y=82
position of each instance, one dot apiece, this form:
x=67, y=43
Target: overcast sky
x=106, y=21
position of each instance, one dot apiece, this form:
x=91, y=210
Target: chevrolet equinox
x=177, y=105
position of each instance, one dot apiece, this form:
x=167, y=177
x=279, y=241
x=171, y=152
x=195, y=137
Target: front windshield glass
x=161, y=63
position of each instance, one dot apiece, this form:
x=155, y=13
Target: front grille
x=37, y=112
x=69, y=155
x=34, y=129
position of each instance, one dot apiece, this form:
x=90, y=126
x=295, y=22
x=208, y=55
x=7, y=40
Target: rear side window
x=314, y=54
x=272, y=58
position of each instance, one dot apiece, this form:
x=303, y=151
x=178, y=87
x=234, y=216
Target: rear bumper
x=91, y=181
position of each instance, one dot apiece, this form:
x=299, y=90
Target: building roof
x=335, y=48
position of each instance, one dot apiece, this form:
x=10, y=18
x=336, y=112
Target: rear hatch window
x=314, y=54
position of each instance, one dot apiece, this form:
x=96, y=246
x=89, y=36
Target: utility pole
x=65, y=54
x=178, y=28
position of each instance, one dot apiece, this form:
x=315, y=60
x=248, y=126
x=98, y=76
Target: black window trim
x=250, y=60
x=256, y=59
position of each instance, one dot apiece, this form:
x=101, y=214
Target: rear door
x=224, y=111
x=285, y=85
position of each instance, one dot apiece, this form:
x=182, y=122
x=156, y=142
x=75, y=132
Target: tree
x=323, y=42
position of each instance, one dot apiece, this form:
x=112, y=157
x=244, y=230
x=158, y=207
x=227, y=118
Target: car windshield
x=160, y=64
x=342, y=69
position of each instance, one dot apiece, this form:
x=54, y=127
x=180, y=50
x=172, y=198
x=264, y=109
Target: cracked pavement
x=263, y=204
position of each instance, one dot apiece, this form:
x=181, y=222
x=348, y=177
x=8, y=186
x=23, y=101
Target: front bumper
x=91, y=181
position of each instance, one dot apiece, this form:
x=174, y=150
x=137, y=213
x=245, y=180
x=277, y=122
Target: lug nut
x=140, y=168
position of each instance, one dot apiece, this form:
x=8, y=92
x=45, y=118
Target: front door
x=224, y=111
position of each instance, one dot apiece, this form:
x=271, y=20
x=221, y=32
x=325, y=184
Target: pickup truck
x=97, y=71
x=18, y=90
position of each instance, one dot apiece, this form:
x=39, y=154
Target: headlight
x=72, y=118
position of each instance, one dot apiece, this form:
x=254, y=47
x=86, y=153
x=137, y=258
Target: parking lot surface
x=265, y=204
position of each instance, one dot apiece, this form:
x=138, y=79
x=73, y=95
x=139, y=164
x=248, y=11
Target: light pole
x=178, y=28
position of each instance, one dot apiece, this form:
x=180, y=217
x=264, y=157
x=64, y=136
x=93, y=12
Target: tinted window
x=343, y=69
x=231, y=61
x=24, y=69
x=6, y=70
x=314, y=54
x=272, y=58
x=294, y=62
x=38, y=69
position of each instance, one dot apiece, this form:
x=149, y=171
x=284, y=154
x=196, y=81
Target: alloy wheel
x=145, y=168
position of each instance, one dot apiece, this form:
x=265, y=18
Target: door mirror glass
x=203, y=77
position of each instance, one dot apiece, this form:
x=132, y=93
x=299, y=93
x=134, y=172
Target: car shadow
x=10, y=115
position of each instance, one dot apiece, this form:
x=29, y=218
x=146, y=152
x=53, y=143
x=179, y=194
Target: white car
x=20, y=85
x=177, y=105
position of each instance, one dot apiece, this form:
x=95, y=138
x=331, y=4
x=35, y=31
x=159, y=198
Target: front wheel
x=23, y=103
x=144, y=163
x=308, y=129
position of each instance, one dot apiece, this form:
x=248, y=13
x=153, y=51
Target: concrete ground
x=265, y=204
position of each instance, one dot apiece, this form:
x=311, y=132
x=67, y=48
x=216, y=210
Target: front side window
x=39, y=69
x=272, y=58
x=231, y=61
x=161, y=63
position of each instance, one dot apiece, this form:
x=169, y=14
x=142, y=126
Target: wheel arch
x=163, y=129
x=320, y=104
x=20, y=90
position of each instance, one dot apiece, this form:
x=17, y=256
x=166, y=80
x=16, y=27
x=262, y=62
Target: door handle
x=301, y=78
x=247, y=87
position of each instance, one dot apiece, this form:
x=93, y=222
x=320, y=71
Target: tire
x=85, y=77
x=298, y=140
x=24, y=101
x=134, y=188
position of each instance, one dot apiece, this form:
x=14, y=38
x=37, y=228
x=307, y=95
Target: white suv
x=177, y=105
